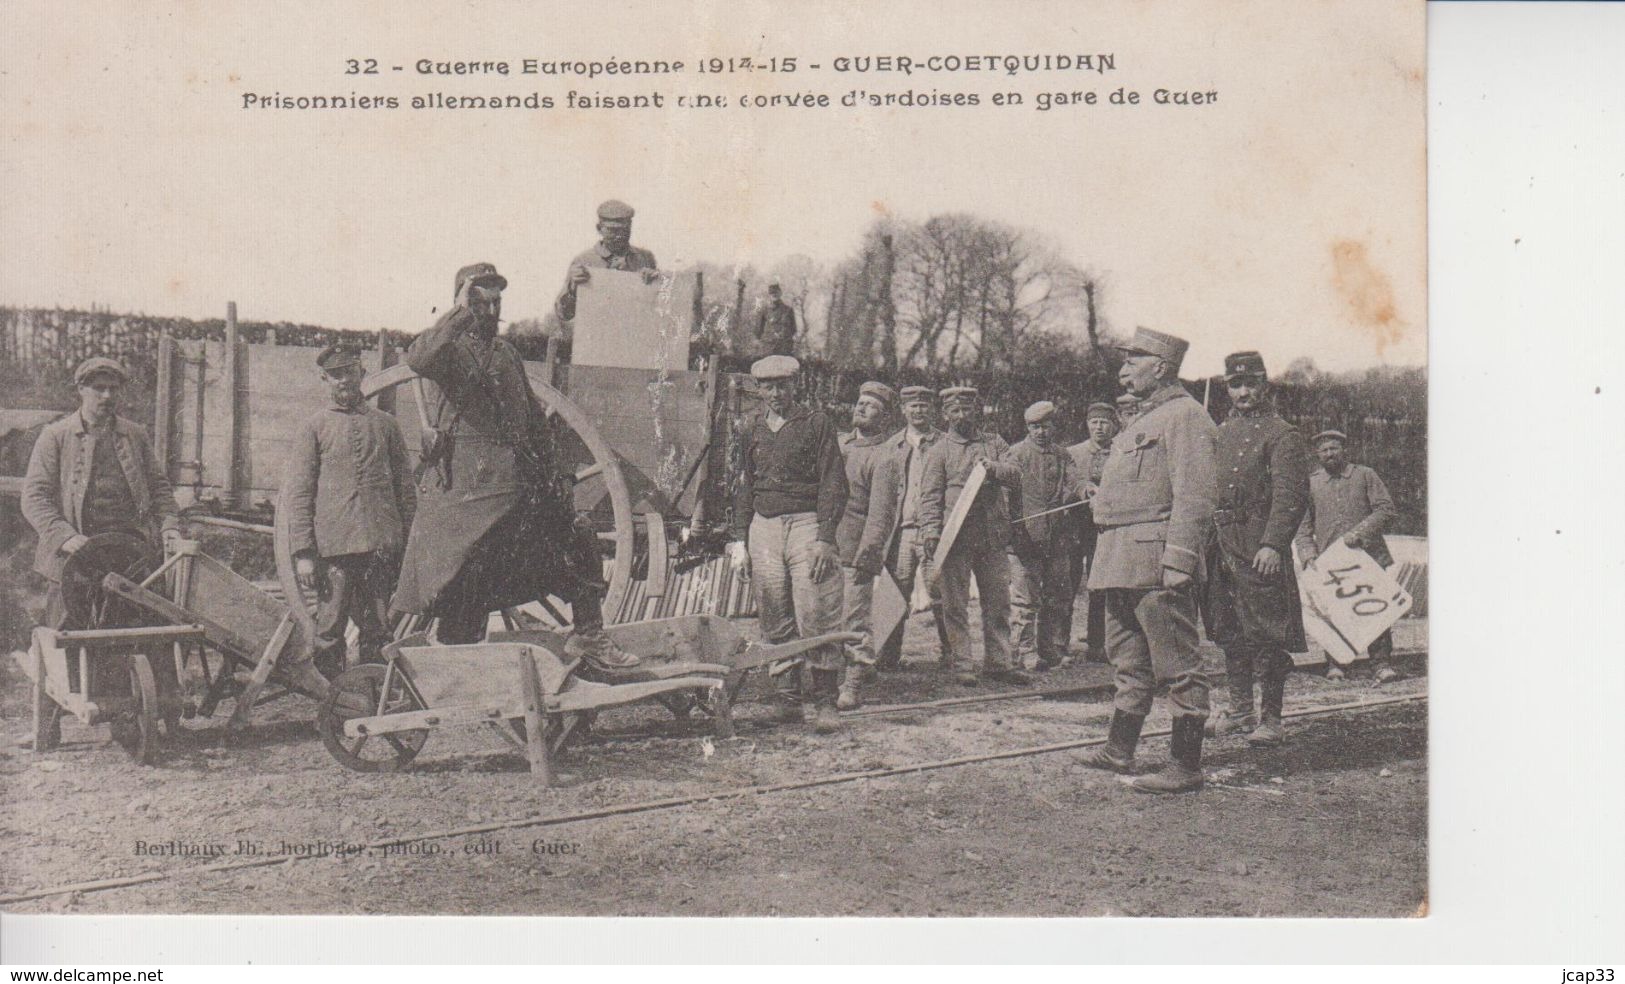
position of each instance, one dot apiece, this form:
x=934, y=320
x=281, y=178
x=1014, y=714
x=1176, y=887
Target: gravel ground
x=1334, y=824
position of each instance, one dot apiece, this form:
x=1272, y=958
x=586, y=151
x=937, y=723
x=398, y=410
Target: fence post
x=233, y=374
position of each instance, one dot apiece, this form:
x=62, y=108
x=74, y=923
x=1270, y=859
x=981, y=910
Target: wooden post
x=386, y=358
x=552, y=357
x=163, y=415
x=541, y=769
x=233, y=370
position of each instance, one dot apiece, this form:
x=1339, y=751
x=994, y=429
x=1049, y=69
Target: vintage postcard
x=715, y=459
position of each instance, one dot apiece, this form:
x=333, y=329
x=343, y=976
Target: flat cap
x=615, y=209
x=1330, y=435
x=959, y=393
x=479, y=273
x=1243, y=364
x=99, y=363
x=1039, y=412
x=338, y=355
x=775, y=367
x=919, y=394
x=880, y=391
x=1161, y=344
x=1101, y=410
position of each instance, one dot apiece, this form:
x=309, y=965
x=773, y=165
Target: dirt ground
x=1334, y=824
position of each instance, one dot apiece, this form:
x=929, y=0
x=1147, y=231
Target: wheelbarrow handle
x=756, y=653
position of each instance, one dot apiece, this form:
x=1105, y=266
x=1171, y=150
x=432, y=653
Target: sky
x=1288, y=216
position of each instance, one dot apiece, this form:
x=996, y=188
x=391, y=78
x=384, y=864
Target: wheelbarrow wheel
x=136, y=727
x=359, y=692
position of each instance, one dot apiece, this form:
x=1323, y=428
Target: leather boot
x=589, y=642
x=1183, y=773
x=1270, y=733
x=851, y=696
x=826, y=686
x=1235, y=721
x=1117, y=754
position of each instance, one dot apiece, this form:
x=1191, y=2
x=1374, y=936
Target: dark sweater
x=798, y=469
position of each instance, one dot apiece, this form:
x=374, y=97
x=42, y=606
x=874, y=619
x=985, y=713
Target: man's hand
x=74, y=543
x=465, y=294
x=578, y=275
x=1309, y=558
x=1174, y=579
x=1353, y=540
x=304, y=569
x=824, y=561
x=650, y=276
x=739, y=557
x=1267, y=561
x=861, y=577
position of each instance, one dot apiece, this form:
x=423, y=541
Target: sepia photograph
x=725, y=459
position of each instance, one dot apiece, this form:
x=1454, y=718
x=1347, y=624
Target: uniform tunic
x=1355, y=501
x=864, y=531
x=600, y=258
x=776, y=329
x=1263, y=492
x=350, y=499
x=1155, y=512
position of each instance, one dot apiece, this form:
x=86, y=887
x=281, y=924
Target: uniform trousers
x=1041, y=590
x=911, y=564
x=353, y=588
x=976, y=555
x=1152, y=641
x=790, y=603
x=858, y=601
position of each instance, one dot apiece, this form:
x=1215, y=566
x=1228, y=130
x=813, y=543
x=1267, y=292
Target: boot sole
x=1165, y=790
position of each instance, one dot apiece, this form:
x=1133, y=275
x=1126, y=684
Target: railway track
x=649, y=806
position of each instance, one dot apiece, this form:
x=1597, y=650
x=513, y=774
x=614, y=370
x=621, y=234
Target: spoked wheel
x=136, y=727
x=370, y=690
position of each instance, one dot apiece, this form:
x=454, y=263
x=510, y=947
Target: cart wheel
x=358, y=693
x=137, y=728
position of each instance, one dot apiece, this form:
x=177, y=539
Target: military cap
x=880, y=391
x=773, y=286
x=1039, y=412
x=479, y=273
x=1101, y=410
x=919, y=394
x=1330, y=435
x=953, y=393
x=1149, y=342
x=775, y=367
x=615, y=209
x=1243, y=364
x=338, y=356
x=98, y=364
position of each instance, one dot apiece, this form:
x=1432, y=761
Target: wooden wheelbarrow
x=668, y=645
x=377, y=717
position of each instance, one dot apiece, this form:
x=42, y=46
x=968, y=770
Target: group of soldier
x=1146, y=506
x=487, y=520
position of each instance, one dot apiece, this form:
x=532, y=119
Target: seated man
x=93, y=472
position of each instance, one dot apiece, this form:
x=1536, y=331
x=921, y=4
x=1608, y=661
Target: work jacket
x=947, y=465
x=58, y=481
x=865, y=529
x=349, y=490
x=1048, y=480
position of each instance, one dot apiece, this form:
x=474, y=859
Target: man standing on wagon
x=613, y=251
x=495, y=525
x=792, y=491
